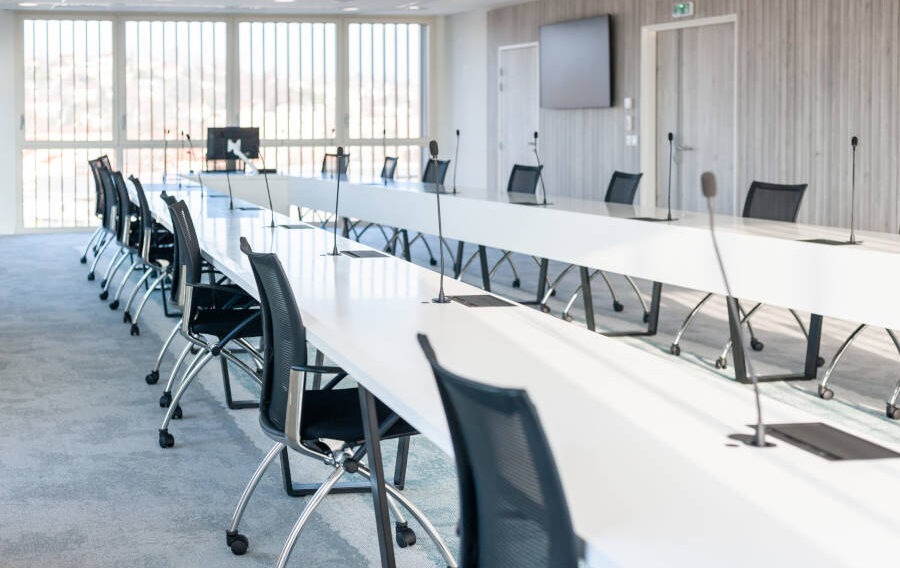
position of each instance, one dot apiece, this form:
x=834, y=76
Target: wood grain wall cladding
x=810, y=74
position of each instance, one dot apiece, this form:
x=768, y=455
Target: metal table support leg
x=457, y=266
x=485, y=272
x=588, y=298
x=810, y=366
x=542, y=284
x=400, y=462
x=652, y=317
x=379, y=494
x=406, y=254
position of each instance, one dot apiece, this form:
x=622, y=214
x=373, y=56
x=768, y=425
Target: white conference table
x=641, y=443
x=767, y=261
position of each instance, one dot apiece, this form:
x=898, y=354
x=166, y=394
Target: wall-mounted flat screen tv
x=576, y=64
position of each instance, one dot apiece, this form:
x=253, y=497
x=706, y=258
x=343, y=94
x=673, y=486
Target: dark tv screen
x=575, y=64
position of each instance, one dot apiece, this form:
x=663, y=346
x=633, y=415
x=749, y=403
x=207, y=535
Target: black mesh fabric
x=124, y=204
x=96, y=164
x=772, y=201
x=176, y=273
x=442, y=167
x=389, y=168
x=109, y=197
x=524, y=179
x=622, y=187
x=284, y=336
x=513, y=509
x=329, y=163
x=187, y=242
x=146, y=219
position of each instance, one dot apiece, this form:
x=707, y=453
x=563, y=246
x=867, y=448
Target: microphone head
x=340, y=151
x=433, y=149
x=708, y=184
x=854, y=141
x=535, y=134
x=457, y=131
x=186, y=135
x=671, y=137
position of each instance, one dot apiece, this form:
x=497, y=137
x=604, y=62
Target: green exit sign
x=682, y=9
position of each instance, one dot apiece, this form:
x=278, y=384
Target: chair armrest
x=339, y=373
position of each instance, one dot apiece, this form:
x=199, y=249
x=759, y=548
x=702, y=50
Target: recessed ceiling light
x=284, y=1
x=28, y=4
x=415, y=7
x=350, y=9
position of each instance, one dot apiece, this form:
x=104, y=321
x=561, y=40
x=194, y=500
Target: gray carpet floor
x=83, y=482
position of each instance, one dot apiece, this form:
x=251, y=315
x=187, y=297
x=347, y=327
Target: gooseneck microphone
x=708, y=185
x=433, y=149
x=669, y=191
x=180, y=154
x=853, y=143
x=268, y=191
x=540, y=168
x=191, y=165
x=455, y=160
x=166, y=156
x=337, y=199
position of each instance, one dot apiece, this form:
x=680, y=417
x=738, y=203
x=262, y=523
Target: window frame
x=119, y=141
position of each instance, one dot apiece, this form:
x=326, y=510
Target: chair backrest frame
x=622, y=187
x=783, y=205
x=524, y=179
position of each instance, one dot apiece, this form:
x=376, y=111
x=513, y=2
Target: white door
x=518, y=107
x=695, y=102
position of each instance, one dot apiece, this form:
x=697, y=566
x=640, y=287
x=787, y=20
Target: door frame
x=537, y=116
x=648, y=100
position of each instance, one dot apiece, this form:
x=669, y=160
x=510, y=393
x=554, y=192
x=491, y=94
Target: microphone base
x=332, y=253
x=654, y=219
x=444, y=300
x=750, y=440
x=831, y=242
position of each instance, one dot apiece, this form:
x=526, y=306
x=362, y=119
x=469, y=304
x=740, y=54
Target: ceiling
x=346, y=7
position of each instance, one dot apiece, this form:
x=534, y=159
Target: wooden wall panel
x=811, y=73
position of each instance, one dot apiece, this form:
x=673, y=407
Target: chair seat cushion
x=335, y=414
x=220, y=323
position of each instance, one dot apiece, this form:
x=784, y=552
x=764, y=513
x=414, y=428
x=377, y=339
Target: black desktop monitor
x=217, y=142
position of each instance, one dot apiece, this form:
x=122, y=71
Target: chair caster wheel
x=166, y=440
x=826, y=393
x=237, y=542
x=893, y=412
x=820, y=362
x=114, y=305
x=617, y=306
x=405, y=535
x=553, y=293
x=126, y=317
x=104, y=294
x=432, y=262
x=90, y=275
x=83, y=260
x=103, y=283
x=675, y=349
x=176, y=414
x=165, y=400
x=152, y=377
x=194, y=350
x=756, y=344
x=545, y=308
x=568, y=317
x=135, y=330
x=646, y=317
x=516, y=283
x=721, y=363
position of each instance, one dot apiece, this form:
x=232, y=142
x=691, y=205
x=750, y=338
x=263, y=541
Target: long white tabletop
x=641, y=443
x=767, y=261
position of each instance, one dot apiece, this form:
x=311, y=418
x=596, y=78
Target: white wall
x=462, y=103
x=8, y=163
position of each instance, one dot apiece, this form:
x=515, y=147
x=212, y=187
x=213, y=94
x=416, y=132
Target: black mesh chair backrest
x=524, y=179
x=96, y=164
x=124, y=204
x=513, y=508
x=170, y=200
x=110, y=197
x=622, y=187
x=773, y=201
x=187, y=242
x=389, y=168
x=442, y=167
x=284, y=336
x=144, y=214
x=330, y=163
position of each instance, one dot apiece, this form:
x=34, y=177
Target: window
x=386, y=94
x=67, y=114
x=308, y=85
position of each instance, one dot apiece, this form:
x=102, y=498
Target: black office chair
x=126, y=235
x=221, y=312
x=513, y=508
x=301, y=419
x=428, y=177
x=773, y=202
x=621, y=189
x=153, y=252
x=330, y=164
x=96, y=237
x=522, y=180
x=111, y=220
x=389, y=169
